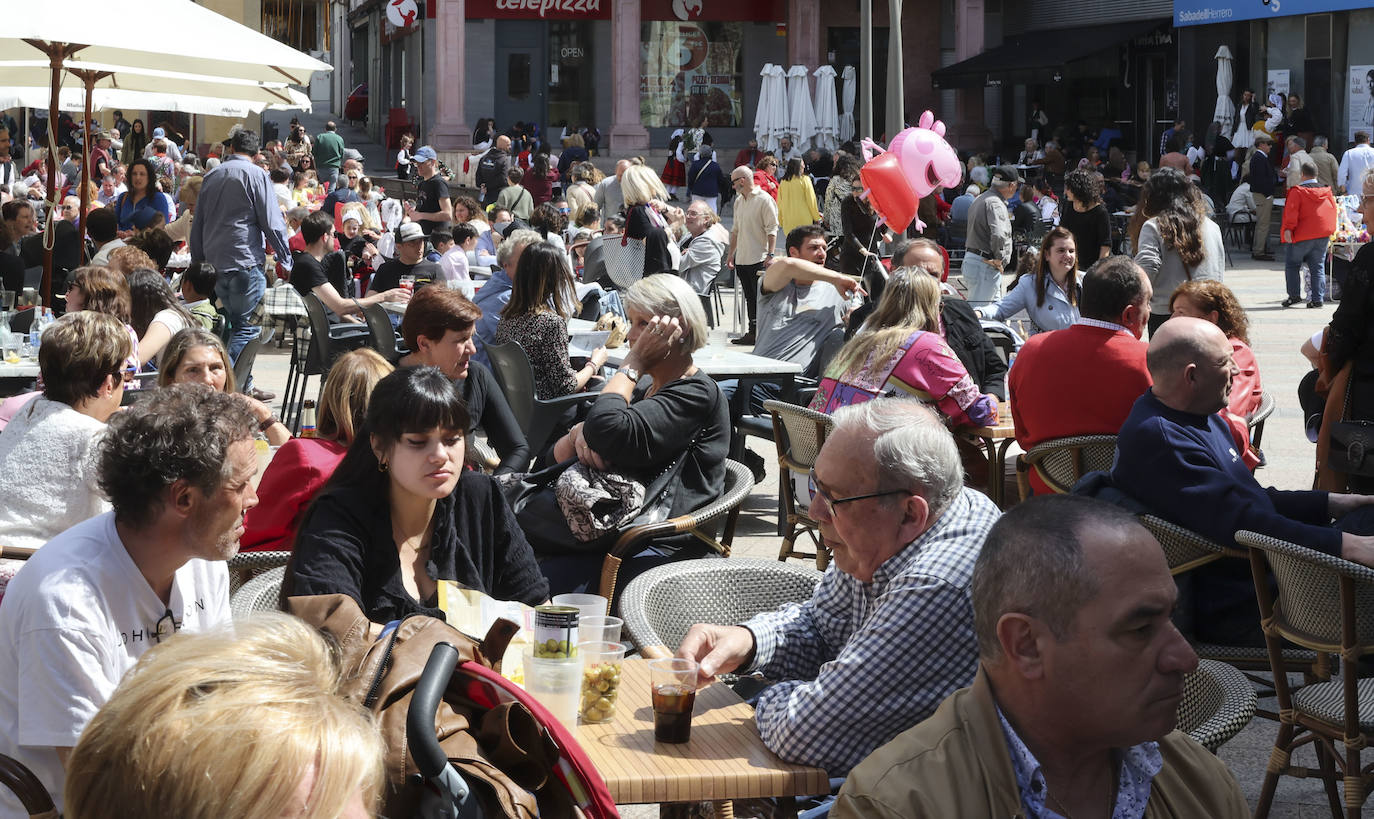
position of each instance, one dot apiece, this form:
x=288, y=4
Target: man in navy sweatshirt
x=1175, y=455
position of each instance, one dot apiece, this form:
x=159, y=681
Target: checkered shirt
x=859, y=663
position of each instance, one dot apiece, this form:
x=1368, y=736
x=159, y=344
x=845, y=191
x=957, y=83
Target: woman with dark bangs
x=401, y=513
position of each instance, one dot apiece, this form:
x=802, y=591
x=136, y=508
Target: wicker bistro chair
x=798, y=433
x=739, y=482
x=660, y=605
x=1217, y=703
x=245, y=566
x=1186, y=550
x=1060, y=462
x=262, y=593
x=1324, y=604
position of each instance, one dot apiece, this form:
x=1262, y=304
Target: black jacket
x=965, y=336
x=491, y=172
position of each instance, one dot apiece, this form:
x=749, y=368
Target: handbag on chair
x=624, y=260
x=1352, y=442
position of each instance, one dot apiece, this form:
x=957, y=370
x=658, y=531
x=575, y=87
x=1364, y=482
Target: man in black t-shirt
x=409, y=261
x=312, y=268
x=433, y=207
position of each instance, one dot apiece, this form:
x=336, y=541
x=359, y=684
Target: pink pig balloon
x=926, y=159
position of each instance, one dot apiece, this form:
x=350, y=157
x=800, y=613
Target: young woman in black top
x=401, y=513
x=438, y=328
x=1086, y=217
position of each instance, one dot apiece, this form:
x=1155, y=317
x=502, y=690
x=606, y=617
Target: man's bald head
x=620, y=168
x=503, y=142
x=1190, y=363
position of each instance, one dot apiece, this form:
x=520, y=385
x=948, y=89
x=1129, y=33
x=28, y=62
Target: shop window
x=691, y=72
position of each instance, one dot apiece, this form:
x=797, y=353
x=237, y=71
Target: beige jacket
x=756, y=218
x=956, y=764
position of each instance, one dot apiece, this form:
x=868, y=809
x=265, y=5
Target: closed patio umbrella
x=771, y=121
x=801, y=118
x=827, y=113
x=1226, y=109
x=847, y=97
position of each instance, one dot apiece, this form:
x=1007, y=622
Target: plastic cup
x=588, y=605
x=601, y=663
x=556, y=683
x=598, y=629
x=674, y=688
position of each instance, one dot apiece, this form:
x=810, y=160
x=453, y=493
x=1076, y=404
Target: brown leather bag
x=503, y=752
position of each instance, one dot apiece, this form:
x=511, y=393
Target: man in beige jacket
x=1073, y=708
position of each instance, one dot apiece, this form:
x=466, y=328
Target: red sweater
x=1310, y=212
x=1077, y=381
x=297, y=473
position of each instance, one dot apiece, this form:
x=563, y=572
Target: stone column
x=628, y=134
x=450, y=133
x=969, y=133
x=804, y=33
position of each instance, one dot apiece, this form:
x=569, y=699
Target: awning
x=1034, y=56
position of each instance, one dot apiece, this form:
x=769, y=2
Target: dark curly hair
x=180, y=432
x=1085, y=185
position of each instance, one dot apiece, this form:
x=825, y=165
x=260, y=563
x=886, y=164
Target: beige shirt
x=756, y=218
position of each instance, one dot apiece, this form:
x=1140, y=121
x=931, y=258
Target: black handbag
x=1352, y=442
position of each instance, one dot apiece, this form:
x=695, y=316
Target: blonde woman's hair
x=640, y=184
x=226, y=724
x=665, y=294
x=343, y=404
x=190, y=190
x=910, y=302
x=184, y=342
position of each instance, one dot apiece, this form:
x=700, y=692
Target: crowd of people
x=982, y=661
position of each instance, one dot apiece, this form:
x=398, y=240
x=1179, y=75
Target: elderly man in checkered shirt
x=888, y=633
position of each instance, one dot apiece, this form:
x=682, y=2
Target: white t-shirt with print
x=74, y=620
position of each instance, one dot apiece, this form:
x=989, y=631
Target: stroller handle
x=429, y=757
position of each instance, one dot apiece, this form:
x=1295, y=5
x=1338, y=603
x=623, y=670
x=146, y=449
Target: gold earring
x=381, y=466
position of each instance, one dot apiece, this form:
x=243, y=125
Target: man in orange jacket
x=1309, y=219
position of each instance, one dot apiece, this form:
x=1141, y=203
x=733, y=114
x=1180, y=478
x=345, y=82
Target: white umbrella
x=109, y=33
x=827, y=113
x=770, y=123
x=25, y=84
x=1226, y=109
x=802, y=122
x=847, y=116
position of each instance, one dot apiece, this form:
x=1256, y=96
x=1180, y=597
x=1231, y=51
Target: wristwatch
x=629, y=372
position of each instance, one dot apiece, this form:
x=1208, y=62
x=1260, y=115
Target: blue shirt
x=1055, y=314
x=236, y=209
x=137, y=215
x=492, y=298
x=1139, y=765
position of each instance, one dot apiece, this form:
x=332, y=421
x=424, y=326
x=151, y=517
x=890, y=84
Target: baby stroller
x=447, y=794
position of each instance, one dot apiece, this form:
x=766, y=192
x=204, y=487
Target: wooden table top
x=1004, y=428
x=725, y=759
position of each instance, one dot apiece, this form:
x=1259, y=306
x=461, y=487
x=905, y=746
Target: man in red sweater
x=1309, y=219
x=1083, y=380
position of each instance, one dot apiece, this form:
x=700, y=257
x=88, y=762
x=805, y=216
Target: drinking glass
x=601, y=662
x=674, y=688
x=556, y=683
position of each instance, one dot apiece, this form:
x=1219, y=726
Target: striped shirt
x=859, y=663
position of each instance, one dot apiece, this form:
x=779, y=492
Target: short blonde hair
x=226, y=724
x=640, y=184
x=343, y=404
x=664, y=294
x=190, y=190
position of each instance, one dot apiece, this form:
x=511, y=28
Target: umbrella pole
x=88, y=77
x=55, y=58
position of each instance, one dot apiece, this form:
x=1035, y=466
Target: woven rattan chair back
x=1308, y=610
x=1217, y=703
x=798, y=433
x=660, y=605
x=1183, y=548
x=1062, y=461
x=262, y=593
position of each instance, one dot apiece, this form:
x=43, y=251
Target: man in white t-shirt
x=177, y=469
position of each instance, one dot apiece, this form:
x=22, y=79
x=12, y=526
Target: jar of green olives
x=601, y=663
x=555, y=632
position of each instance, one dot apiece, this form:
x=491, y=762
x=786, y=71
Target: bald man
x=1176, y=457
x=607, y=196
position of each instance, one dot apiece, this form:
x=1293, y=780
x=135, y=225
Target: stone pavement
x=1276, y=334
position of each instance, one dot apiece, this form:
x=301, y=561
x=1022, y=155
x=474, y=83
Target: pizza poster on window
x=691, y=72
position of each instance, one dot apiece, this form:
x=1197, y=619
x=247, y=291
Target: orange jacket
x=1310, y=212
